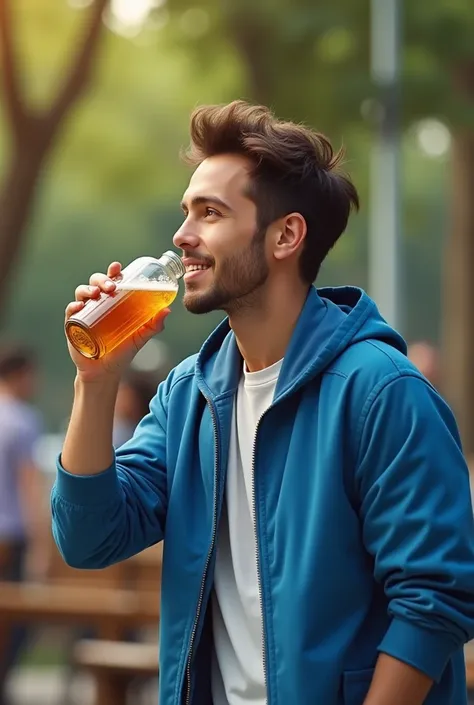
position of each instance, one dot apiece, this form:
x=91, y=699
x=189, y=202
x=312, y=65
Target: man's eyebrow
x=200, y=200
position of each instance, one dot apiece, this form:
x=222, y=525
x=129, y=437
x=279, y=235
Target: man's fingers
x=103, y=282
x=84, y=292
x=73, y=307
x=114, y=269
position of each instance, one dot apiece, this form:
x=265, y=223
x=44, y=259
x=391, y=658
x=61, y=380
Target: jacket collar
x=323, y=329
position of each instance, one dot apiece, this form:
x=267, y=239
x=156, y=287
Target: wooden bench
x=115, y=665
x=110, y=603
x=109, y=611
x=121, y=597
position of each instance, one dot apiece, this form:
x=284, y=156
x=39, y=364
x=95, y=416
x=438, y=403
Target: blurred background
x=94, y=108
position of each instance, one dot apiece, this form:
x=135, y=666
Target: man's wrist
x=97, y=385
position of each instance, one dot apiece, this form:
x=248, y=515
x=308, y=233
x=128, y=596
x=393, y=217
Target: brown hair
x=294, y=170
x=15, y=358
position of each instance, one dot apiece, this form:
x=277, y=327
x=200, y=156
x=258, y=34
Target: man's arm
x=102, y=513
x=417, y=523
x=107, y=508
x=397, y=683
x=88, y=447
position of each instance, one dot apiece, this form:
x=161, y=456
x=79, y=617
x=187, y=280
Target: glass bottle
x=145, y=287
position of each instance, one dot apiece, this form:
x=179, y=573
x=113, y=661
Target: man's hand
x=113, y=364
x=397, y=683
x=88, y=446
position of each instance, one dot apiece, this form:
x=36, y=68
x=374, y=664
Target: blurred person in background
x=24, y=531
x=426, y=358
x=307, y=481
x=135, y=392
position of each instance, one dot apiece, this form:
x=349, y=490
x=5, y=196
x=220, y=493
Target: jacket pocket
x=355, y=686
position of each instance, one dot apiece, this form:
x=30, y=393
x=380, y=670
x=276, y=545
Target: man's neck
x=263, y=331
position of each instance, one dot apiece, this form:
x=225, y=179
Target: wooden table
x=111, y=612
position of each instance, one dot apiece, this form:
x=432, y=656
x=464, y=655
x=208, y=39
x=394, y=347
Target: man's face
x=223, y=250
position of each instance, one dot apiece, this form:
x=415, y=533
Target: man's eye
x=211, y=212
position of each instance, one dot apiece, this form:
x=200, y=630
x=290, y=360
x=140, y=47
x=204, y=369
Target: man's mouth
x=195, y=270
x=196, y=267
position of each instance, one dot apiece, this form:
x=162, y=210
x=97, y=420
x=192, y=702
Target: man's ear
x=290, y=233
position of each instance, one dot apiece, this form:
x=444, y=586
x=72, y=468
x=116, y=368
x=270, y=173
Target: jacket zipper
x=208, y=559
x=259, y=573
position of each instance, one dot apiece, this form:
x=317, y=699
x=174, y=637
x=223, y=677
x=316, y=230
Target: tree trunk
x=250, y=31
x=254, y=53
x=16, y=201
x=33, y=134
x=458, y=291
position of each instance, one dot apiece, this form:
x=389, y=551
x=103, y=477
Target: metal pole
x=384, y=224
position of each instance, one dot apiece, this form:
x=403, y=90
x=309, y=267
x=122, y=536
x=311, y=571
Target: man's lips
x=195, y=274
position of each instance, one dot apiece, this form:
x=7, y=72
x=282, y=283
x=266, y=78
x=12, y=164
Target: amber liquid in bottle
x=116, y=317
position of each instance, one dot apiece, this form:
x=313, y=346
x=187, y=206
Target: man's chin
x=199, y=304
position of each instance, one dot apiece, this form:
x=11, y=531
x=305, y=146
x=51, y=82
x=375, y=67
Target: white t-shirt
x=237, y=671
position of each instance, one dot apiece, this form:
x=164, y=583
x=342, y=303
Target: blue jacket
x=364, y=520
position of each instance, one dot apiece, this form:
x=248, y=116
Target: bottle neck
x=174, y=263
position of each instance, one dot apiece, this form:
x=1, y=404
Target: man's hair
x=15, y=358
x=294, y=170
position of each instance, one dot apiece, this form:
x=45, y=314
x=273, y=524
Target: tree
x=308, y=61
x=33, y=133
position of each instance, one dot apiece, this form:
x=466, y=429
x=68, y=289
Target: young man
x=307, y=480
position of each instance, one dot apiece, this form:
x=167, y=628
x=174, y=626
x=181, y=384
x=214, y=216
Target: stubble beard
x=238, y=283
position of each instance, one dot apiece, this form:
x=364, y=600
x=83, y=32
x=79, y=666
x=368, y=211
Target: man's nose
x=186, y=238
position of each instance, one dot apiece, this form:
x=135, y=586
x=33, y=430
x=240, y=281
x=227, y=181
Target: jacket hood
x=331, y=320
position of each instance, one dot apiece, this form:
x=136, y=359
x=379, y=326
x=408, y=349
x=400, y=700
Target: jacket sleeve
x=101, y=519
x=417, y=521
